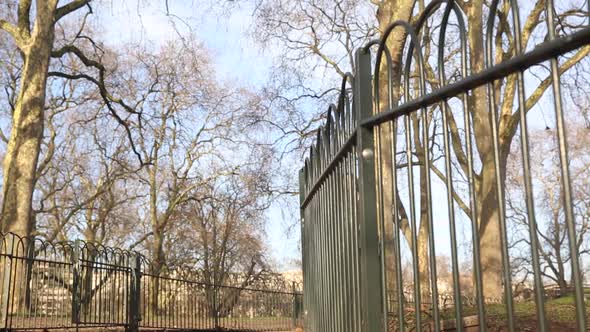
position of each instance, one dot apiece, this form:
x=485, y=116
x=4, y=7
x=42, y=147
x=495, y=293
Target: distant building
x=293, y=276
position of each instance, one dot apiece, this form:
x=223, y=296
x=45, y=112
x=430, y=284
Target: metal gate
x=407, y=129
x=103, y=286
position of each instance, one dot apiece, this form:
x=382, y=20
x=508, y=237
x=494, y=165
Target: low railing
x=78, y=284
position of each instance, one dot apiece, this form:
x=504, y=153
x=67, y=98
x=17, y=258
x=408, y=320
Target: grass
x=561, y=310
x=560, y=313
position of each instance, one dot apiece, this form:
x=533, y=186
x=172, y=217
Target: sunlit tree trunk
x=489, y=232
x=24, y=145
x=156, y=266
x=487, y=199
x=389, y=12
x=157, y=245
x=22, y=151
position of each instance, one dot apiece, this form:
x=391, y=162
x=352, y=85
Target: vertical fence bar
x=568, y=207
x=294, y=314
x=527, y=179
x=396, y=229
x=330, y=233
x=499, y=180
x=413, y=226
x=348, y=246
x=372, y=315
x=381, y=222
x=5, y=305
x=30, y=256
x=302, y=192
x=451, y=212
x=76, y=283
x=215, y=304
x=134, y=294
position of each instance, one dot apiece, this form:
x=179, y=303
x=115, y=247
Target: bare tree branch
x=71, y=7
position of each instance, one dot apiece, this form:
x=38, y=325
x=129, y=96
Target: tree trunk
x=90, y=255
x=388, y=12
x=489, y=232
x=486, y=189
x=423, y=261
x=24, y=145
x=157, y=265
x=156, y=248
x=557, y=244
x=423, y=233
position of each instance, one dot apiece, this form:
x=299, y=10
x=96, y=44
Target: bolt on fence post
x=7, y=274
x=75, y=259
x=371, y=284
x=134, y=294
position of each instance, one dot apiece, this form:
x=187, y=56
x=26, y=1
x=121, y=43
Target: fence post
x=302, y=194
x=30, y=248
x=215, y=308
x=134, y=294
x=371, y=288
x=76, y=283
x=6, y=282
x=294, y=322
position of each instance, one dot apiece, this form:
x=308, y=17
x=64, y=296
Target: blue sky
x=238, y=58
x=235, y=57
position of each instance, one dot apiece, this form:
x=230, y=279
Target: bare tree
x=194, y=130
x=552, y=232
x=317, y=40
x=33, y=33
x=228, y=223
x=323, y=35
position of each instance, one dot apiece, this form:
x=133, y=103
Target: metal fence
x=396, y=159
x=83, y=285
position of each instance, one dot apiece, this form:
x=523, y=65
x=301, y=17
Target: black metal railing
x=419, y=150
x=83, y=285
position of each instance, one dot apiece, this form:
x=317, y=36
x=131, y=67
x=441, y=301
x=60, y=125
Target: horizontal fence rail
x=83, y=285
x=445, y=194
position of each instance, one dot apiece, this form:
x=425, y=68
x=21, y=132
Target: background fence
x=78, y=284
x=410, y=153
